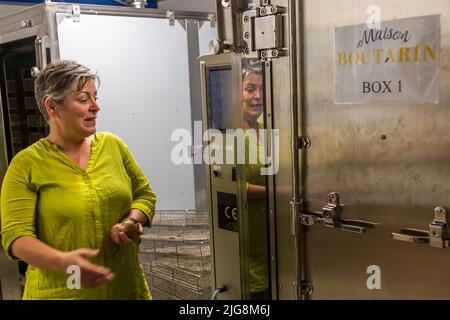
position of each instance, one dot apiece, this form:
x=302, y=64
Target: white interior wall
x=144, y=92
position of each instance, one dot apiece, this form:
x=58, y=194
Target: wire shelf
x=173, y=283
x=175, y=255
x=180, y=218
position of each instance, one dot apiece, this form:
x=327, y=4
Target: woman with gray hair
x=74, y=204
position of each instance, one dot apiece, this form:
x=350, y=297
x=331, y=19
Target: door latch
x=436, y=236
x=331, y=217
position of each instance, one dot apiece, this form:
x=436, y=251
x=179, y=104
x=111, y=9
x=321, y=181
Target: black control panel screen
x=220, y=100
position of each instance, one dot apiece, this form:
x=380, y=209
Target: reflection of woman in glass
x=252, y=105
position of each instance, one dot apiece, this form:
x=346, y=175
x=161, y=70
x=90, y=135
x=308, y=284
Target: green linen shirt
x=48, y=196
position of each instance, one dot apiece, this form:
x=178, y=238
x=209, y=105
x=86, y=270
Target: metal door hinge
x=170, y=14
x=212, y=19
x=262, y=31
x=302, y=142
x=306, y=289
x=74, y=12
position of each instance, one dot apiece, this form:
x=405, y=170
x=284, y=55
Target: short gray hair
x=251, y=67
x=55, y=80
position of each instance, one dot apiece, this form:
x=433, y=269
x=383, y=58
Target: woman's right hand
x=92, y=275
x=119, y=236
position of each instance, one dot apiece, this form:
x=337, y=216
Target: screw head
x=34, y=72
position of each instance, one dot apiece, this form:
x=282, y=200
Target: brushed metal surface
x=396, y=180
x=287, y=262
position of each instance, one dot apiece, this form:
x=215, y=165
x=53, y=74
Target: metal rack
x=175, y=255
x=26, y=123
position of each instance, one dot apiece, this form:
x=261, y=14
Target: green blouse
x=48, y=196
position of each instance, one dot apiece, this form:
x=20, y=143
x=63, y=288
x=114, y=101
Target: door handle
x=330, y=217
x=412, y=235
x=358, y=226
x=436, y=236
x=355, y=226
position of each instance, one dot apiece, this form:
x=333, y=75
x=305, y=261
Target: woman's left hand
x=119, y=236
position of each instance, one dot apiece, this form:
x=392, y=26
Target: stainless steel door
x=388, y=162
x=235, y=156
x=217, y=101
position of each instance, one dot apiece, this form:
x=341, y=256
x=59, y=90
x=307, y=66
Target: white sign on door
x=399, y=62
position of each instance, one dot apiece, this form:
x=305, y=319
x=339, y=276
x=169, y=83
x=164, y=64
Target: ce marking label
x=233, y=213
